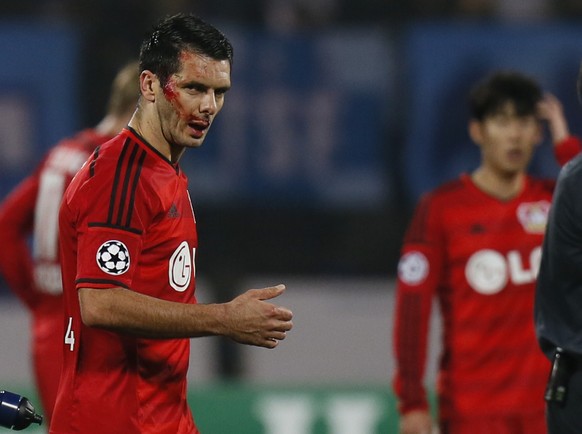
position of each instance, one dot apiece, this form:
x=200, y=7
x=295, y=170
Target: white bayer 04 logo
x=181, y=267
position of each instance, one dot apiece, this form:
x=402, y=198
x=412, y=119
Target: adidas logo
x=173, y=212
x=478, y=229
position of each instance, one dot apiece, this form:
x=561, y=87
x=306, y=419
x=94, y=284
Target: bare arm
x=416, y=422
x=16, y=225
x=550, y=109
x=248, y=319
x=566, y=146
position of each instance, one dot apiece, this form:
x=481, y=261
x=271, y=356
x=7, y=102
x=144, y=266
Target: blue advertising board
x=304, y=124
x=38, y=88
x=446, y=59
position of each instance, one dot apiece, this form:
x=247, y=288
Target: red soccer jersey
x=32, y=209
x=35, y=276
x=479, y=255
x=126, y=220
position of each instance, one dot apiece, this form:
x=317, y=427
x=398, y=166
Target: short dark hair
x=160, y=51
x=492, y=94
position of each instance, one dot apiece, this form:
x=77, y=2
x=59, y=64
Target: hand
x=417, y=422
x=551, y=110
x=254, y=321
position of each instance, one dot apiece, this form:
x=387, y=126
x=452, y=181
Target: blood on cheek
x=172, y=97
x=170, y=91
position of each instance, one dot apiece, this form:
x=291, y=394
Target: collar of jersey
x=146, y=144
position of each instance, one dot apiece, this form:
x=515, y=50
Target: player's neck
x=151, y=131
x=504, y=187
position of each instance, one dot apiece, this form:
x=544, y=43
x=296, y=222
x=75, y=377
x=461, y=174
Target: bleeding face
x=507, y=141
x=191, y=98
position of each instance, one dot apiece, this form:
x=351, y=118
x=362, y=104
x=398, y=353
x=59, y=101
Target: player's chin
x=194, y=142
x=517, y=161
x=512, y=168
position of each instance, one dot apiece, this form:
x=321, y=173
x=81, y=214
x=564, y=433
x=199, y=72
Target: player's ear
x=147, y=85
x=475, y=131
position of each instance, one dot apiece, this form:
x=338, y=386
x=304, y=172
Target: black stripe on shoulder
x=134, y=188
x=416, y=232
x=92, y=165
x=116, y=178
x=102, y=281
x=125, y=185
x=117, y=227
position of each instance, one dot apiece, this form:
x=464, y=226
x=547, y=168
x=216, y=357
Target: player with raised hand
x=474, y=244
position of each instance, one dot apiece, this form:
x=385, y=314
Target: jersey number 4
x=70, y=335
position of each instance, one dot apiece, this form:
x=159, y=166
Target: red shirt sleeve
x=16, y=223
x=567, y=149
x=419, y=272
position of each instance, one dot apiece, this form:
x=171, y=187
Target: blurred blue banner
x=38, y=88
x=445, y=60
x=304, y=124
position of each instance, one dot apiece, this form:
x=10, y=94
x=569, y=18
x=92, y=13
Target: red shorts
x=530, y=423
x=47, y=355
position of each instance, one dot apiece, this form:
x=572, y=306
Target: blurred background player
x=31, y=209
x=474, y=244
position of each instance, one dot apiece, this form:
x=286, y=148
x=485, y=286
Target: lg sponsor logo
x=488, y=271
x=181, y=267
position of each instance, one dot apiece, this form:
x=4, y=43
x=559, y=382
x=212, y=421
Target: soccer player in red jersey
x=32, y=209
x=128, y=243
x=475, y=244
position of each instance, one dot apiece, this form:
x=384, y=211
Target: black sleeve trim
x=111, y=226
x=102, y=281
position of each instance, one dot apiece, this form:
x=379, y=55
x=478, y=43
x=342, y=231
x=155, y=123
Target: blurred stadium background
x=342, y=113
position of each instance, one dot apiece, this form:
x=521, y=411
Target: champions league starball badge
x=113, y=257
x=413, y=268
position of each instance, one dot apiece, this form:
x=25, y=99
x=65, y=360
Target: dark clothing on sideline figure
x=558, y=302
